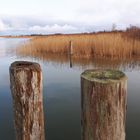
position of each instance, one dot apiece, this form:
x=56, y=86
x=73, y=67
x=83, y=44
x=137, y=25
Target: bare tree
x=114, y=27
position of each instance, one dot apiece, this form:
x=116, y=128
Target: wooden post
x=70, y=48
x=26, y=88
x=70, y=52
x=104, y=96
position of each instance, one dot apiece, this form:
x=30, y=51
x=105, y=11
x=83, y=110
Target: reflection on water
x=61, y=92
x=84, y=63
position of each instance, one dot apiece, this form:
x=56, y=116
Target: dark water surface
x=61, y=93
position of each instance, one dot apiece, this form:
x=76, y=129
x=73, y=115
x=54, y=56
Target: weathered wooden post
x=70, y=52
x=26, y=88
x=104, y=98
x=70, y=47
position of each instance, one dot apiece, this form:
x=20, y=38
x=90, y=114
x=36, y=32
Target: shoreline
x=58, y=34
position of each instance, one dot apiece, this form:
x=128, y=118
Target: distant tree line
x=133, y=32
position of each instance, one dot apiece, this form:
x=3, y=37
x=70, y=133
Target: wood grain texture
x=104, y=97
x=26, y=88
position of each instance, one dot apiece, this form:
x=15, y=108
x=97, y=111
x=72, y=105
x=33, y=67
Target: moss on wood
x=103, y=76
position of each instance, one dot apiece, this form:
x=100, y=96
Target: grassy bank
x=104, y=44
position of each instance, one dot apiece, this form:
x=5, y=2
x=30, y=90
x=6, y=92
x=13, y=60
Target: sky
x=66, y=16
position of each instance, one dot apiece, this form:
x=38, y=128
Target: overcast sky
x=66, y=16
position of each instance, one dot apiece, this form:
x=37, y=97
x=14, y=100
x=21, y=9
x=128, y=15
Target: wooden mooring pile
x=103, y=103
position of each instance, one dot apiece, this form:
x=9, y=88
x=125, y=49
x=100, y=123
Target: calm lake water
x=61, y=93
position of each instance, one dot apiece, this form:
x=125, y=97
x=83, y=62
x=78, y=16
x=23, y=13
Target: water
x=61, y=93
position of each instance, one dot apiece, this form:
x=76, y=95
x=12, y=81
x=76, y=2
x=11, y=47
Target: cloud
x=104, y=12
x=85, y=16
x=2, y=26
x=26, y=25
x=54, y=28
x=67, y=16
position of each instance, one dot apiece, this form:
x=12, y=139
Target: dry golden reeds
x=112, y=44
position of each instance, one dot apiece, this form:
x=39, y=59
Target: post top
x=103, y=76
x=18, y=65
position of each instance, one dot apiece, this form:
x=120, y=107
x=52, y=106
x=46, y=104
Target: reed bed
x=111, y=44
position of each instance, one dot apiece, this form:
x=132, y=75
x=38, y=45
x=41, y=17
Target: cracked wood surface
x=104, y=97
x=26, y=89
